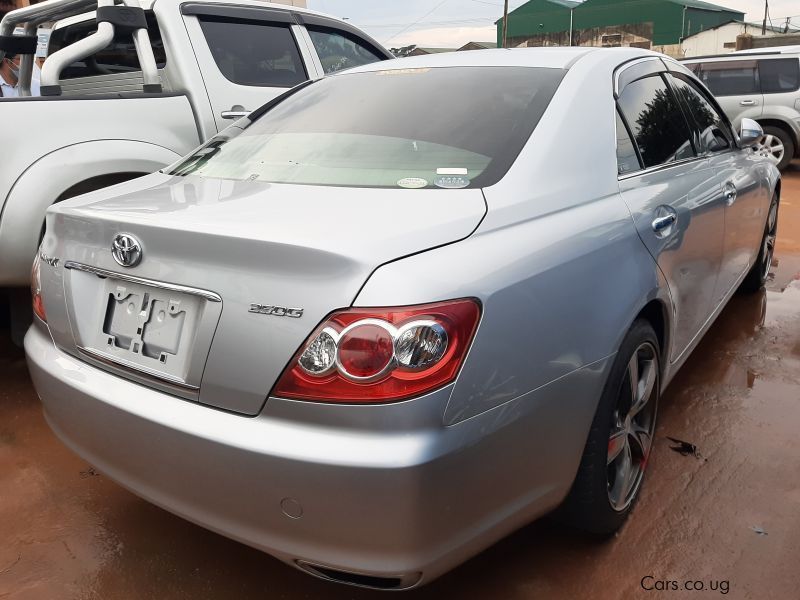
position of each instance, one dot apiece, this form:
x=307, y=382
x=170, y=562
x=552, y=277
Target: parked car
x=392, y=317
x=763, y=85
x=107, y=120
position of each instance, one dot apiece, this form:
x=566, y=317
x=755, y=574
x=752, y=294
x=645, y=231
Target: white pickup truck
x=120, y=100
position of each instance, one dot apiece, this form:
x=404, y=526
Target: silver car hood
x=250, y=242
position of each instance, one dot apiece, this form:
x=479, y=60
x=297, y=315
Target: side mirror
x=750, y=133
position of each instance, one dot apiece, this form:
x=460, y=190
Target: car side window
x=338, y=50
x=254, y=53
x=730, y=77
x=779, y=75
x=656, y=121
x=627, y=160
x=118, y=57
x=712, y=129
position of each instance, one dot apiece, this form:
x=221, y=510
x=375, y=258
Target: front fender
x=45, y=180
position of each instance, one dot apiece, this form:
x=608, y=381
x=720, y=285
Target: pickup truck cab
x=109, y=118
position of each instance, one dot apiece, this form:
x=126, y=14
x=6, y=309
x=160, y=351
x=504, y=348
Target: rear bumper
x=409, y=502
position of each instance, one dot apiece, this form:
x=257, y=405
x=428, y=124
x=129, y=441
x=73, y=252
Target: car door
x=735, y=85
x=742, y=193
x=247, y=56
x=674, y=199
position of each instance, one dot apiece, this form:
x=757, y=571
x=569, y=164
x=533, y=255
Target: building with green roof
x=656, y=24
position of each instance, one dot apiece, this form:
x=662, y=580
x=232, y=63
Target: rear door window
x=779, y=75
x=656, y=121
x=254, y=53
x=730, y=77
x=338, y=50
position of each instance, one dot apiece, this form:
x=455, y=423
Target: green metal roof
x=702, y=5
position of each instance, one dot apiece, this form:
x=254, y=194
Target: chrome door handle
x=237, y=111
x=661, y=223
x=747, y=103
x=730, y=193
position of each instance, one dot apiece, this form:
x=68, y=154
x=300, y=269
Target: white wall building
x=722, y=38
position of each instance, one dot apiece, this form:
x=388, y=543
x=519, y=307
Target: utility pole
x=505, y=25
x=764, y=24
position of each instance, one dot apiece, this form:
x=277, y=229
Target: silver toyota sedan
x=402, y=311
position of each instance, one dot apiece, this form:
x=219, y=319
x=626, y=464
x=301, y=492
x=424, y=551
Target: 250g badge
x=276, y=311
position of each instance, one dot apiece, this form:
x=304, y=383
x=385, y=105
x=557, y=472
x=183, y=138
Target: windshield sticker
x=451, y=171
x=412, y=183
x=452, y=182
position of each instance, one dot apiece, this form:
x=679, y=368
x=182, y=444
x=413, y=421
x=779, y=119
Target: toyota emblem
x=126, y=250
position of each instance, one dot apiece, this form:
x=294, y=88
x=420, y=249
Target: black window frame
x=204, y=16
x=661, y=74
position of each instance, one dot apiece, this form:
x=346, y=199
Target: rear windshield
x=409, y=128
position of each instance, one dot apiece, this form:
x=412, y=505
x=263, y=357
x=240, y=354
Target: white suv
x=763, y=85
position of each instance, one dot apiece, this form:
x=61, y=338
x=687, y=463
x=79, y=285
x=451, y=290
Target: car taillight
x=36, y=289
x=367, y=355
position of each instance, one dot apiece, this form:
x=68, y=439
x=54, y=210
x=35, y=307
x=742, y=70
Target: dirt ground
x=726, y=522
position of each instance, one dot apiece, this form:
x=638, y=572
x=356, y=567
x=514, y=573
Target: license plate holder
x=146, y=328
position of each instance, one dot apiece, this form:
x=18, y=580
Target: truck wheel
x=614, y=460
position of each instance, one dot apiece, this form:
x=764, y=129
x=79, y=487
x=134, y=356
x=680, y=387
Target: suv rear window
x=429, y=127
x=779, y=75
x=118, y=57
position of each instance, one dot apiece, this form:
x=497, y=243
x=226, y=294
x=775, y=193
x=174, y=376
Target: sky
x=452, y=23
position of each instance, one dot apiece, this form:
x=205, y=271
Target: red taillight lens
x=366, y=355
x=36, y=289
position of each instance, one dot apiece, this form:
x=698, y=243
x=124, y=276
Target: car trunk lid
x=261, y=248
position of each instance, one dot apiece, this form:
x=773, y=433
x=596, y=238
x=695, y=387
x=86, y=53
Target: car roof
x=554, y=58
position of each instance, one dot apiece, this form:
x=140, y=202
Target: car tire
x=786, y=141
x=597, y=502
x=757, y=277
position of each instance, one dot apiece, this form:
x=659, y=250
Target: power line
x=407, y=27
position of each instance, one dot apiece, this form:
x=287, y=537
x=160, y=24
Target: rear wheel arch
x=655, y=313
x=63, y=172
x=92, y=184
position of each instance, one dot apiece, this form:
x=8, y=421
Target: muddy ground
x=728, y=518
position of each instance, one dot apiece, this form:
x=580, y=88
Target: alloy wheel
x=632, y=427
x=768, y=249
x=771, y=147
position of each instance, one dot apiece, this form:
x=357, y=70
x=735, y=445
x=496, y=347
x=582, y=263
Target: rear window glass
x=118, y=57
x=779, y=75
x=409, y=128
x=254, y=53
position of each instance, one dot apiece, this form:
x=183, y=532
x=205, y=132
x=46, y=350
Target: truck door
x=247, y=56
